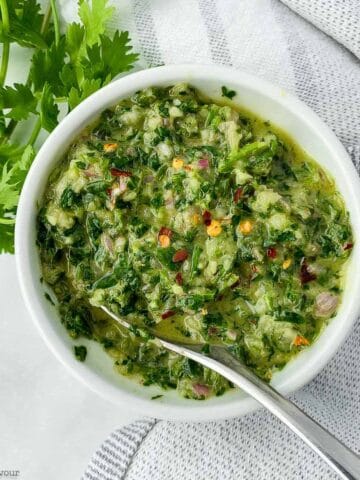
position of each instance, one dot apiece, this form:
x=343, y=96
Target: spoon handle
x=345, y=462
x=339, y=457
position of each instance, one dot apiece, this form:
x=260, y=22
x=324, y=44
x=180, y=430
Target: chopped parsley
x=80, y=352
x=48, y=298
x=225, y=92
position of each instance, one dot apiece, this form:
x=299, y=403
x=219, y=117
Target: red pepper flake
x=165, y=231
x=305, y=274
x=348, y=246
x=271, y=252
x=109, y=191
x=179, y=278
x=180, y=256
x=115, y=172
x=167, y=314
x=206, y=217
x=300, y=340
x=238, y=195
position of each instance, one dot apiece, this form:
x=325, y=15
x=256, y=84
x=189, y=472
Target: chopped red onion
x=200, y=389
x=203, y=163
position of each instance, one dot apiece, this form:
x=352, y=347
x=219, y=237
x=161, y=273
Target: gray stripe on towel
x=112, y=459
x=146, y=32
x=220, y=53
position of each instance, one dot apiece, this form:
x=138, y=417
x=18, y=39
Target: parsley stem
x=55, y=21
x=4, y=62
x=10, y=128
x=35, y=132
x=7, y=221
x=18, y=151
x=6, y=43
x=46, y=20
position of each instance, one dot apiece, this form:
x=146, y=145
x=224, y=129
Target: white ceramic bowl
x=269, y=102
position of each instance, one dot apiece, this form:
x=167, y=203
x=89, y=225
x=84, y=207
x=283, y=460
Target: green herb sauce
x=201, y=221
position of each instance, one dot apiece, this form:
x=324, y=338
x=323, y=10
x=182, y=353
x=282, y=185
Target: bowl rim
x=24, y=249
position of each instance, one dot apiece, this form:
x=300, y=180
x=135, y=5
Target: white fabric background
x=50, y=423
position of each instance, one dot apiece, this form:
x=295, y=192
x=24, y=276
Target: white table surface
x=50, y=424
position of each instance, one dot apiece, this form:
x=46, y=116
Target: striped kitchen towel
x=311, y=48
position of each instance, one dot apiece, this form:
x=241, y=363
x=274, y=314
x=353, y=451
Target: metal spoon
x=345, y=462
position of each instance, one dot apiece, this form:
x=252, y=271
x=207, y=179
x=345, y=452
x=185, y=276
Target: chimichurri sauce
x=197, y=219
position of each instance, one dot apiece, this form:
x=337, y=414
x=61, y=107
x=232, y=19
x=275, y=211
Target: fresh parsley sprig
x=64, y=68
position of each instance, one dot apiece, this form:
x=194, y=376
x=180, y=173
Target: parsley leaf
x=101, y=61
x=9, y=152
x=227, y=93
x=77, y=95
x=94, y=18
x=7, y=235
x=19, y=99
x=49, y=111
x=64, y=68
x=46, y=67
x=68, y=76
x=100, y=66
x=8, y=194
x=25, y=24
x=80, y=352
x=11, y=179
x=123, y=60
x=75, y=35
